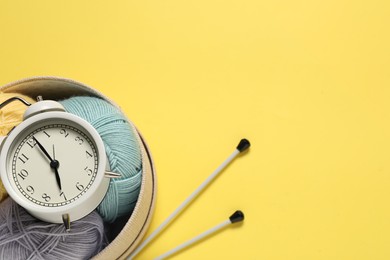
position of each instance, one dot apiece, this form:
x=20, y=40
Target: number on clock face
x=35, y=179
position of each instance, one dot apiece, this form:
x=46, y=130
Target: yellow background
x=307, y=82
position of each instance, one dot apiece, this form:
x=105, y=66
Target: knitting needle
x=237, y=216
x=241, y=147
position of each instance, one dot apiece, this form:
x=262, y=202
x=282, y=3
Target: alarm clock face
x=53, y=164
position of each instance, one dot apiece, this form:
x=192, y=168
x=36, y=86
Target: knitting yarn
x=10, y=116
x=24, y=237
x=122, y=150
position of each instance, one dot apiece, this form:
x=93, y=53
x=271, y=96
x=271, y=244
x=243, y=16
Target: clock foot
x=111, y=174
x=66, y=220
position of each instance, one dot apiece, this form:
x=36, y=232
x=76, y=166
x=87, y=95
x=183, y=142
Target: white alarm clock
x=54, y=164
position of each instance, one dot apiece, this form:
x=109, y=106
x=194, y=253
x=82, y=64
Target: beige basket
x=135, y=228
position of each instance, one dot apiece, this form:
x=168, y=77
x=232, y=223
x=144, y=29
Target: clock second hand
x=54, y=164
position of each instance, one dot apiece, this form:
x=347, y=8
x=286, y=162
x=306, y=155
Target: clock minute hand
x=54, y=164
x=42, y=149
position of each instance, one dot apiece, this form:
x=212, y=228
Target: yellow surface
x=307, y=82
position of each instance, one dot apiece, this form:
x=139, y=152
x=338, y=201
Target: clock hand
x=42, y=149
x=54, y=165
x=57, y=176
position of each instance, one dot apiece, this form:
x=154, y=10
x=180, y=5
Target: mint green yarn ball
x=122, y=149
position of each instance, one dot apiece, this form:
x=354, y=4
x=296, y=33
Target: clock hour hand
x=57, y=176
x=54, y=165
